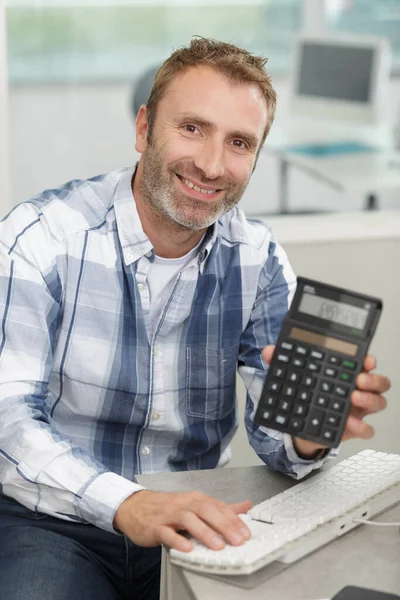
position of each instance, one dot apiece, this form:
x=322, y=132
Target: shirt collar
x=134, y=241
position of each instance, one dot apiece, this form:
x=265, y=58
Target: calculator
x=319, y=353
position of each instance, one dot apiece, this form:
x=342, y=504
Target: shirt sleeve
x=39, y=467
x=277, y=284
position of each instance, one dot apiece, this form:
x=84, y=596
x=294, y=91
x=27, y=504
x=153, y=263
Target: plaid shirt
x=89, y=396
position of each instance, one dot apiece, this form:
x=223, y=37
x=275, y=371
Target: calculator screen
x=325, y=341
x=332, y=310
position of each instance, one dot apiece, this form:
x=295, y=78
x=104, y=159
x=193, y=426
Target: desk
x=368, y=556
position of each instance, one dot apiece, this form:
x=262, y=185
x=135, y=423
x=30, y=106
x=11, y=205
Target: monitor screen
x=335, y=72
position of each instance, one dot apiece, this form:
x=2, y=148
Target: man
x=127, y=302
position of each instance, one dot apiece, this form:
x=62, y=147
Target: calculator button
x=332, y=420
x=279, y=372
x=315, y=422
x=286, y=346
x=326, y=386
x=346, y=377
x=284, y=405
x=274, y=386
x=322, y=401
x=308, y=381
x=294, y=376
x=312, y=366
x=334, y=360
x=300, y=410
x=304, y=395
x=330, y=372
x=283, y=358
x=337, y=405
x=267, y=415
x=341, y=390
x=302, y=350
x=289, y=390
x=317, y=354
x=296, y=424
x=269, y=400
x=328, y=434
x=349, y=364
x=298, y=362
x=280, y=419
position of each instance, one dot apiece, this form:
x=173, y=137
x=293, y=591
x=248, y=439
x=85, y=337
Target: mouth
x=197, y=191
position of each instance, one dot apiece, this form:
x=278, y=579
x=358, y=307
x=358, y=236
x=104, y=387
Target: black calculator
x=319, y=353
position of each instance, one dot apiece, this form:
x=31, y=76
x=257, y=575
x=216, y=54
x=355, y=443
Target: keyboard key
x=313, y=366
x=270, y=400
x=322, y=401
x=317, y=354
x=296, y=424
x=282, y=358
x=280, y=419
x=304, y=395
x=267, y=415
x=289, y=390
x=294, y=376
x=328, y=434
x=326, y=386
x=286, y=346
x=334, y=360
x=284, y=405
x=279, y=372
x=349, y=364
x=300, y=410
x=308, y=381
x=332, y=420
x=337, y=405
x=274, y=386
x=341, y=390
x=346, y=377
x=301, y=350
x=298, y=362
x=314, y=423
x=330, y=372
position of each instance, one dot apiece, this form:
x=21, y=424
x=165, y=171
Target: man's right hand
x=153, y=518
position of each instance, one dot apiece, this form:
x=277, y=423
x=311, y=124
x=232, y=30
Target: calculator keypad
x=307, y=391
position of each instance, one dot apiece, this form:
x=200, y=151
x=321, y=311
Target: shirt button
x=141, y=286
x=129, y=257
x=148, y=254
x=155, y=416
x=145, y=450
x=156, y=350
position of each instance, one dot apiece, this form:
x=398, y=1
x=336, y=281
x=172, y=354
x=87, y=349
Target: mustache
x=197, y=175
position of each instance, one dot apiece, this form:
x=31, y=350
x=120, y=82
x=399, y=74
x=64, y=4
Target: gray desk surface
x=368, y=556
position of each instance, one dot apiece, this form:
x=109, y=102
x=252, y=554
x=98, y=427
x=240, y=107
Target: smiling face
x=203, y=147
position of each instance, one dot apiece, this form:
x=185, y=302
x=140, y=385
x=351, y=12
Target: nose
x=210, y=159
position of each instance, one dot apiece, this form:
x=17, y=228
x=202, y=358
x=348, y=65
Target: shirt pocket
x=210, y=382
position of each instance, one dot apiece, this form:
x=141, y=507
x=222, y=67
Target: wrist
x=309, y=450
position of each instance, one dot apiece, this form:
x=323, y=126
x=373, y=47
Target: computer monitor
x=340, y=77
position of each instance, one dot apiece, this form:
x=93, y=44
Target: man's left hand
x=366, y=399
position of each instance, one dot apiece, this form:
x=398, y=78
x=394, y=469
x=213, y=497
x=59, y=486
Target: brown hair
x=237, y=64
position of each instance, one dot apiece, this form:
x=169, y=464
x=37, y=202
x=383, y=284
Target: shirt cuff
x=102, y=496
x=301, y=466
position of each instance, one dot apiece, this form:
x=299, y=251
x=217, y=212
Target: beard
x=159, y=188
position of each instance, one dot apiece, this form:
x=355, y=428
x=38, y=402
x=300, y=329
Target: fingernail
x=217, y=542
x=245, y=533
x=238, y=539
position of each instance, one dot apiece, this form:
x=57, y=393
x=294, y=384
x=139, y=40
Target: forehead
x=212, y=96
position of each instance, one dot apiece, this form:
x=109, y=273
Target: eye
x=241, y=144
x=190, y=128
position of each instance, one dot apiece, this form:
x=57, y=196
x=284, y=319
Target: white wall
x=5, y=200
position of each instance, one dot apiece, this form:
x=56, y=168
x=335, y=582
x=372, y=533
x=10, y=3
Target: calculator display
x=331, y=310
x=325, y=341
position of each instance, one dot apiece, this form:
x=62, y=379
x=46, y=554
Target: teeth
x=197, y=188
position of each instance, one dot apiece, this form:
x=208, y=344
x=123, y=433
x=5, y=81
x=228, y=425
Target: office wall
x=369, y=266
x=5, y=200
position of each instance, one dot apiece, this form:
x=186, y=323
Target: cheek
x=239, y=168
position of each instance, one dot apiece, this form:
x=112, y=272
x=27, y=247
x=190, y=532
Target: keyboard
x=305, y=517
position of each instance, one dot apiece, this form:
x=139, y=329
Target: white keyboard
x=305, y=517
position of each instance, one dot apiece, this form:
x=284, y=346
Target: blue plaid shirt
x=89, y=395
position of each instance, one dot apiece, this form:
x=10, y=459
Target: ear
x=141, y=129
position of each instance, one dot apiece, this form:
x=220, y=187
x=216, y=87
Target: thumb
x=267, y=353
x=242, y=507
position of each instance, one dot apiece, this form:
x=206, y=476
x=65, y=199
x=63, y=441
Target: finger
x=370, y=382
x=168, y=536
x=267, y=353
x=200, y=530
x=369, y=362
x=226, y=522
x=369, y=403
x=241, y=507
x=355, y=428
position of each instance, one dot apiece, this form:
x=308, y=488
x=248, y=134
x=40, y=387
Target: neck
x=169, y=239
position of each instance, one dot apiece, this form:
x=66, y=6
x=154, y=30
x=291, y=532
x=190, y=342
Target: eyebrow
x=250, y=138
